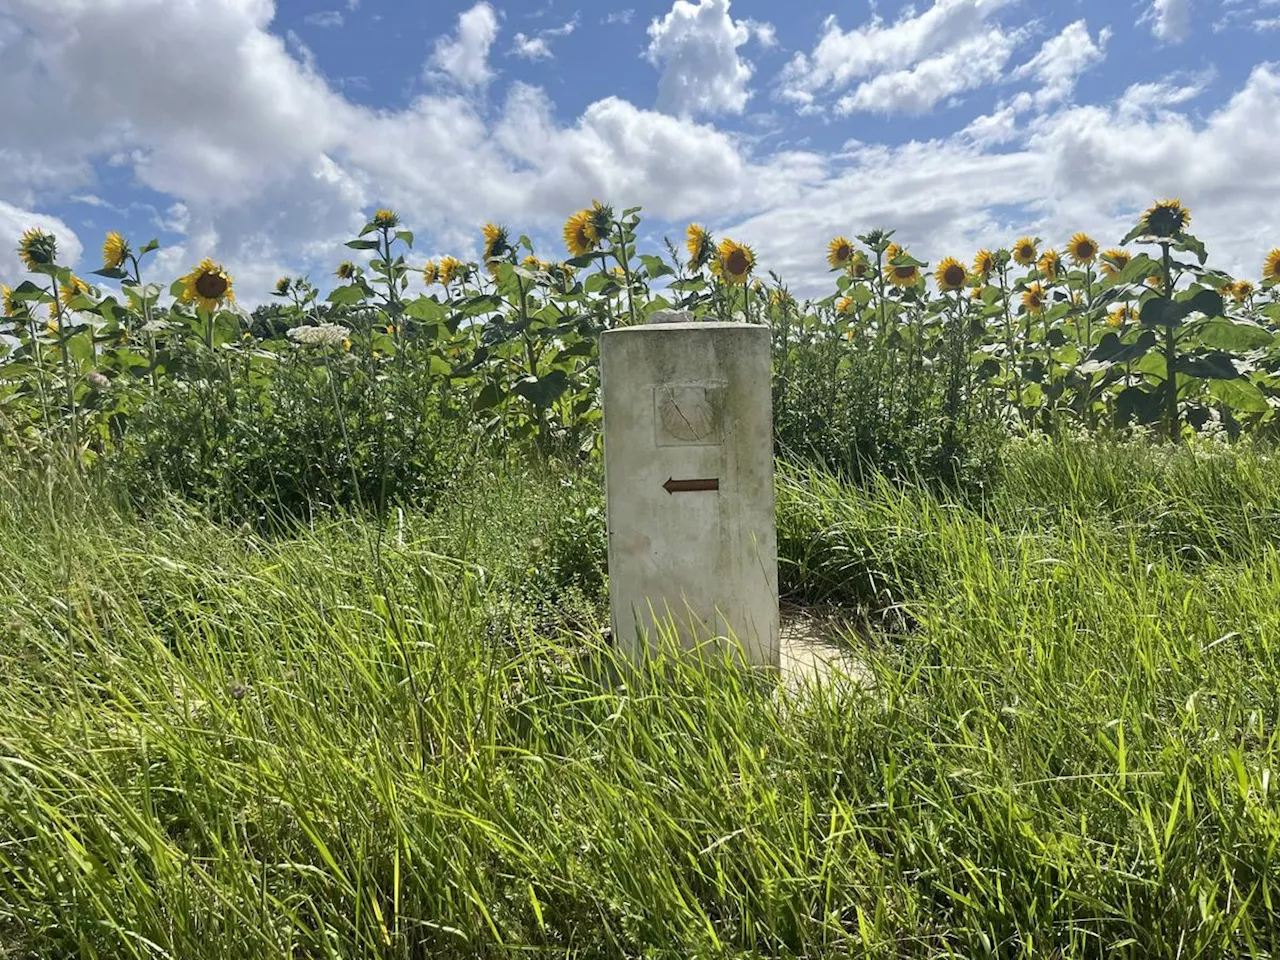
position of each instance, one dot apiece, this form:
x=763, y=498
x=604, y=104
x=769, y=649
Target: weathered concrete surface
x=816, y=650
x=690, y=402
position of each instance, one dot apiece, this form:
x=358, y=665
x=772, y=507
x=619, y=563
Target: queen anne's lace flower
x=322, y=335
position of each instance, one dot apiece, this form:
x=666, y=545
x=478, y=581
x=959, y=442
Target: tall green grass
x=214, y=744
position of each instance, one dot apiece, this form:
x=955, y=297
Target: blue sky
x=263, y=133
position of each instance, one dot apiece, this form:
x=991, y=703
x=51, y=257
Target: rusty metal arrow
x=690, y=486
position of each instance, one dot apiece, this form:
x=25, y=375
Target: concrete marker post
x=688, y=440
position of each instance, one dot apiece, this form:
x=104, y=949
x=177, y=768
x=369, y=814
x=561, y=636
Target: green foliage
x=215, y=743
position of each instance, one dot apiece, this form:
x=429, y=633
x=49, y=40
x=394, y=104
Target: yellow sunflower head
x=1050, y=265
x=346, y=270
x=580, y=236
x=1082, y=248
x=385, y=219
x=859, y=267
x=496, y=245
x=451, y=269
x=1033, y=299
x=1121, y=315
x=1166, y=218
x=976, y=293
x=1114, y=261
x=283, y=286
x=208, y=286
x=10, y=306
x=37, y=248
x=844, y=305
x=736, y=262
x=74, y=287
x=839, y=253
x=114, y=251
x=1241, y=291
x=1271, y=266
x=906, y=275
x=700, y=245
x=430, y=273
x=533, y=263
x=601, y=219
x=984, y=263
x=950, y=274
x=1024, y=251
x=1155, y=282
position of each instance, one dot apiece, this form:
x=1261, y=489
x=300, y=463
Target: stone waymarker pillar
x=688, y=453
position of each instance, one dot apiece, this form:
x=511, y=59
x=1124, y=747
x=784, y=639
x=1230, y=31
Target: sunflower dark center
x=843, y=252
x=1165, y=221
x=211, y=286
x=953, y=276
x=1085, y=249
x=737, y=263
x=904, y=273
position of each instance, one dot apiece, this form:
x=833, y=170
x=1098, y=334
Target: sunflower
x=74, y=287
x=283, y=285
x=37, y=248
x=736, y=262
x=1024, y=251
x=1241, y=291
x=496, y=244
x=1114, y=261
x=207, y=286
x=1122, y=315
x=1083, y=248
x=1050, y=265
x=839, y=252
x=114, y=251
x=386, y=219
x=533, y=263
x=781, y=298
x=346, y=270
x=11, y=307
x=1156, y=282
x=1166, y=218
x=976, y=293
x=451, y=269
x=950, y=274
x=430, y=273
x=984, y=263
x=904, y=276
x=1033, y=299
x=844, y=305
x=580, y=236
x=699, y=244
x=601, y=219
x=1271, y=266
x=859, y=266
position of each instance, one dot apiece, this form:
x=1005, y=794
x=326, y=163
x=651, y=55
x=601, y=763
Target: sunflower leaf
x=362, y=244
x=406, y=236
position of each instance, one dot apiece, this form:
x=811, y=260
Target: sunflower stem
x=623, y=261
x=1172, y=424
x=65, y=358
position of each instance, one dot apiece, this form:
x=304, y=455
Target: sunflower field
x=303, y=645
x=904, y=366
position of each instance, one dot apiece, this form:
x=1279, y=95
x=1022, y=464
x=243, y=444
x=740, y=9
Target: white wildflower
x=323, y=335
x=97, y=380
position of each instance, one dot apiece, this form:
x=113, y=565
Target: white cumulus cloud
x=1062, y=59
x=696, y=47
x=916, y=49
x=1170, y=19
x=464, y=57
